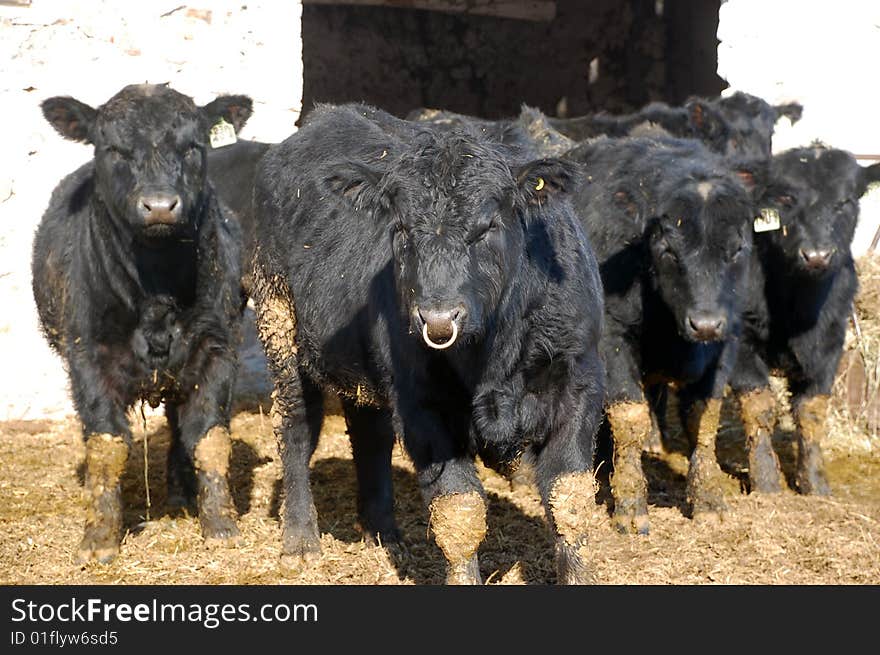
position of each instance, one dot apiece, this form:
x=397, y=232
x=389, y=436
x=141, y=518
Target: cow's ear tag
x=767, y=221
x=222, y=134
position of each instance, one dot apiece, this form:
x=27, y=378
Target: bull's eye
x=785, y=200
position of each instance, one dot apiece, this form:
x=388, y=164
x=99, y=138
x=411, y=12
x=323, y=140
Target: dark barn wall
x=400, y=59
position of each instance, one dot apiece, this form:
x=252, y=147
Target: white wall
x=822, y=54
x=90, y=49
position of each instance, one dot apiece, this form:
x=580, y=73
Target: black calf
x=136, y=277
x=446, y=294
x=671, y=225
x=801, y=291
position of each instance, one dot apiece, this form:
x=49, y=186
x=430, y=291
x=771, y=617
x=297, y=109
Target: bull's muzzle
x=440, y=327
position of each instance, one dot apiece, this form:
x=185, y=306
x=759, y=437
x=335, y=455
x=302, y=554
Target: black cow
x=231, y=170
x=801, y=291
x=136, y=278
x=446, y=293
x=671, y=225
x=739, y=126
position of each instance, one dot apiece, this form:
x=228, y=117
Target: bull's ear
x=235, y=110
x=704, y=120
x=791, y=110
x=545, y=180
x=351, y=181
x=71, y=118
x=868, y=175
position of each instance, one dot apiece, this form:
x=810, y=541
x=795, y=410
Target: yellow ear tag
x=540, y=184
x=222, y=134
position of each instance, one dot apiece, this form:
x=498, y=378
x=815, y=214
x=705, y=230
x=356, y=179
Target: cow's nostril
x=173, y=204
x=707, y=327
x=817, y=259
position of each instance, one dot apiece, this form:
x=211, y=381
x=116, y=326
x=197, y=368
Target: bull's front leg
x=203, y=422
x=457, y=508
x=107, y=441
x=451, y=489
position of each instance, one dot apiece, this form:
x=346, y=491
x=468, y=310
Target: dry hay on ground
x=786, y=539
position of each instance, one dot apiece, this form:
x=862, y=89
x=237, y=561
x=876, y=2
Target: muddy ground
x=787, y=539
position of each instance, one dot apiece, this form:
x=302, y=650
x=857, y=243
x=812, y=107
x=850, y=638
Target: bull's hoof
x=97, y=545
x=572, y=567
x=378, y=526
x=464, y=573
x=810, y=477
x=631, y=516
x=375, y=536
x=301, y=549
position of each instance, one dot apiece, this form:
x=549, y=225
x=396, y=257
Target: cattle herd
x=507, y=289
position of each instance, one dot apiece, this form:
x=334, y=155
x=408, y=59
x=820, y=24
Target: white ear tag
x=222, y=134
x=767, y=221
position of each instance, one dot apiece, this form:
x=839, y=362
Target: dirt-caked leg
x=811, y=414
x=758, y=412
x=705, y=480
x=106, y=455
x=630, y=426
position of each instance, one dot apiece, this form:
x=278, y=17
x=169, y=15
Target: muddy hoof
x=813, y=483
x=464, y=573
x=572, y=566
x=707, y=505
x=708, y=516
x=765, y=483
x=764, y=474
x=301, y=549
x=97, y=546
x=220, y=532
x=631, y=517
x=810, y=477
